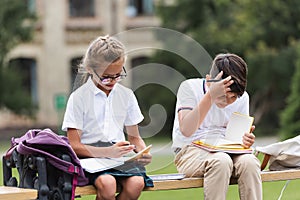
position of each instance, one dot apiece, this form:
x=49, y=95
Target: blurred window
x=81, y=8
x=75, y=76
x=139, y=7
x=26, y=68
x=31, y=5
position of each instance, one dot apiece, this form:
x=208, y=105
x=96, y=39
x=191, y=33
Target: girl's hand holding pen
x=120, y=148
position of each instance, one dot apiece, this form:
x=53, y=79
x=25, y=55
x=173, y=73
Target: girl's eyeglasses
x=108, y=79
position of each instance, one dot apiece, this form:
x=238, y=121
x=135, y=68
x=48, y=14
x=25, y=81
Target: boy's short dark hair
x=234, y=66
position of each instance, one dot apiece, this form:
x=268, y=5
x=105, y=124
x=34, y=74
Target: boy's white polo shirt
x=214, y=124
x=101, y=117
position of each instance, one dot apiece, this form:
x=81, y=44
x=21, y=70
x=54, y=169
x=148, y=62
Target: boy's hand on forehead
x=219, y=89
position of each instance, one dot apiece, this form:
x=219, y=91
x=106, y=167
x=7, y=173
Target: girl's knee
x=137, y=182
x=133, y=186
x=106, y=186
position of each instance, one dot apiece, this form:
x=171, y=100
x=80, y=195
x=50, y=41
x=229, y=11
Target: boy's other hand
x=248, y=140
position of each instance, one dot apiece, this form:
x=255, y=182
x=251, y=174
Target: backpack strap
x=9, y=152
x=265, y=161
x=73, y=169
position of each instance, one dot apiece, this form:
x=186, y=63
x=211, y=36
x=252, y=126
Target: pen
x=213, y=80
x=113, y=142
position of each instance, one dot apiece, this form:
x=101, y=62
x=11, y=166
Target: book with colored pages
x=93, y=165
x=238, y=125
x=228, y=148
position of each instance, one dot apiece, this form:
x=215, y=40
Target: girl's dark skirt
x=127, y=170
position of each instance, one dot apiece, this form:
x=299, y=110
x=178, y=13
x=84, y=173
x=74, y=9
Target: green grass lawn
x=164, y=164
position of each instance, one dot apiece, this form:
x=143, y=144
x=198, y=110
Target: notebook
x=238, y=125
x=93, y=165
x=163, y=177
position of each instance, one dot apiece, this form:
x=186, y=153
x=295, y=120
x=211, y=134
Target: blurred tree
x=290, y=118
x=16, y=25
x=272, y=58
x=263, y=33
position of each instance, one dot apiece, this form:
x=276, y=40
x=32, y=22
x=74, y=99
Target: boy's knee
x=222, y=161
x=249, y=161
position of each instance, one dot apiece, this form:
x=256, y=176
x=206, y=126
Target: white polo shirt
x=101, y=117
x=214, y=124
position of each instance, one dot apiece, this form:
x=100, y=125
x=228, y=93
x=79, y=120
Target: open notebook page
x=238, y=125
x=93, y=165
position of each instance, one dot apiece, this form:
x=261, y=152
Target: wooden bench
x=267, y=176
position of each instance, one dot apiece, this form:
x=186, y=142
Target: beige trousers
x=217, y=168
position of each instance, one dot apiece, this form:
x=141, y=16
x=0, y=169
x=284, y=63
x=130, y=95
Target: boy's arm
x=190, y=120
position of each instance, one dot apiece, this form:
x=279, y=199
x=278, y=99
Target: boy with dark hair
x=203, y=109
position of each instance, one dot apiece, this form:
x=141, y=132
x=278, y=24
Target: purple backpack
x=51, y=146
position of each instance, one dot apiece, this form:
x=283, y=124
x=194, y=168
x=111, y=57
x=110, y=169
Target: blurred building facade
x=63, y=32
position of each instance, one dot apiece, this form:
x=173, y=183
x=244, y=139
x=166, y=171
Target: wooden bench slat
x=267, y=176
x=85, y=190
x=176, y=184
x=17, y=193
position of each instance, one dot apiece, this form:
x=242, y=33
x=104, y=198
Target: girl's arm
x=82, y=150
x=135, y=139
